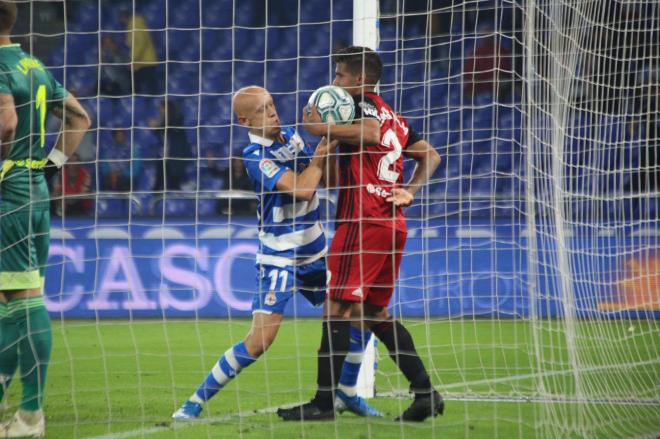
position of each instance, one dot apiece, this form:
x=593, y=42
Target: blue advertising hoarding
x=448, y=271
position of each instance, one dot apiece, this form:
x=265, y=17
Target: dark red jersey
x=367, y=175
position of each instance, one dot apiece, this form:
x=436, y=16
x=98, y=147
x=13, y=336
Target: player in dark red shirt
x=370, y=236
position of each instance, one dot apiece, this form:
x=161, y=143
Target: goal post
x=365, y=33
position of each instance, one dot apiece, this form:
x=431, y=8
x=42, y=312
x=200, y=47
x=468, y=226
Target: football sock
x=402, y=351
x=228, y=366
x=35, y=345
x=351, y=367
x=334, y=346
x=8, y=349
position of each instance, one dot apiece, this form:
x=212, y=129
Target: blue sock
x=228, y=366
x=353, y=361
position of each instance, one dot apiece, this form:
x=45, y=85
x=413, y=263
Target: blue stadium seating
x=215, y=13
x=183, y=77
x=314, y=12
x=480, y=138
x=217, y=44
x=183, y=45
x=186, y=14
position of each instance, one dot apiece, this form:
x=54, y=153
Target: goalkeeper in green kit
x=28, y=93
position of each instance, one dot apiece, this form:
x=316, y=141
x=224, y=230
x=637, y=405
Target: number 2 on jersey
x=41, y=107
x=384, y=172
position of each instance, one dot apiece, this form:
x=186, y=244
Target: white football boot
x=24, y=424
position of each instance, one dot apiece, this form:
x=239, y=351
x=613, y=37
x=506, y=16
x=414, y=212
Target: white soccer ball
x=334, y=104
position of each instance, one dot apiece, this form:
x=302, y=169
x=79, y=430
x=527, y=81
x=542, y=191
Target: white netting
x=530, y=278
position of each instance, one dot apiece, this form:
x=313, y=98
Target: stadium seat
x=342, y=10
x=85, y=18
x=216, y=44
x=248, y=73
x=149, y=142
x=183, y=78
x=185, y=15
x=215, y=13
x=216, y=135
x=282, y=76
x=153, y=13
x=282, y=43
x=183, y=45
x=315, y=40
x=316, y=12
x=145, y=108
x=82, y=48
x=250, y=44
x=215, y=109
x=217, y=77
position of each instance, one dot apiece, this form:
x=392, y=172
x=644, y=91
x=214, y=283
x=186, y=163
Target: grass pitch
x=123, y=379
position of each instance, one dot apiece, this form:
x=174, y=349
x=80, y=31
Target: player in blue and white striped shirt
x=285, y=173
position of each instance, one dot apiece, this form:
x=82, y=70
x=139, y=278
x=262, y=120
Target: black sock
x=334, y=346
x=399, y=342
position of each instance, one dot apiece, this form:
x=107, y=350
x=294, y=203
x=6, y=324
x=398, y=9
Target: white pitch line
x=540, y=375
x=398, y=394
x=180, y=425
x=405, y=394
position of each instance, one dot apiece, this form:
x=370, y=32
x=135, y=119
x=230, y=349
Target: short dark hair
x=359, y=59
x=8, y=12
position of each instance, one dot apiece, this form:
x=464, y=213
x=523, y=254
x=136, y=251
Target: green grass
x=112, y=377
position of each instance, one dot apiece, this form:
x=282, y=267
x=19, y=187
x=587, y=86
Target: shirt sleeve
x=59, y=92
x=263, y=171
x=4, y=82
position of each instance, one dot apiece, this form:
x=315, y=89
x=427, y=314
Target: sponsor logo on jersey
x=383, y=115
x=374, y=189
x=369, y=110
x=268, y=167
x=290, y=150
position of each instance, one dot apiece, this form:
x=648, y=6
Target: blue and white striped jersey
x=290, y=230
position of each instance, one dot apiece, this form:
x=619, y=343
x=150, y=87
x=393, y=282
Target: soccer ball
x=334, y=104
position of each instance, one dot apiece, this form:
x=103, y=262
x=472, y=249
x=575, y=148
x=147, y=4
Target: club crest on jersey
x=268, y=167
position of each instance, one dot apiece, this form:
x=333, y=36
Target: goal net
x=530, y=279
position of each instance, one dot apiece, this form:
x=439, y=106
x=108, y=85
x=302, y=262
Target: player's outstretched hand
x=324, y=147
x=401, y=197
x=312, y=121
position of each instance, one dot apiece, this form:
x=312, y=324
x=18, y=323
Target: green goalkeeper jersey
x=35, y=93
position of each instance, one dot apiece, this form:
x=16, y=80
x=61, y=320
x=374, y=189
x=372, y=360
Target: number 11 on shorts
x=274, y=274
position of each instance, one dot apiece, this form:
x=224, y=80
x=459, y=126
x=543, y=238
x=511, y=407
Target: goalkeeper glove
x=56, y=159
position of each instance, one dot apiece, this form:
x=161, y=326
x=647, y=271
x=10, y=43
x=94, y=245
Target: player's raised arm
x=303, y=185
x=364, y=131
x=8, y=122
